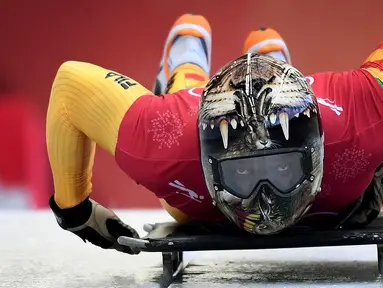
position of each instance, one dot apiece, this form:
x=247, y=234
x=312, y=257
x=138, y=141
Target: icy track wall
x=322, y=35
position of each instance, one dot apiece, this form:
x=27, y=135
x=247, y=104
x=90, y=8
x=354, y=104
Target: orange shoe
x=189, y=41
x=267, y=41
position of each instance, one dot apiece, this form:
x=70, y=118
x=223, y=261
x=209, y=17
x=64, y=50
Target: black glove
x=94, y=223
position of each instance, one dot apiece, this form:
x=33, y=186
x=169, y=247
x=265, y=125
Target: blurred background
x=128, y=36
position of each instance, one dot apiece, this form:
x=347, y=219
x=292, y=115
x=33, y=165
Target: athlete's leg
x=186, y=58
x=186, y=76
x=267, y=41
x=185, y=64
x=87, y=104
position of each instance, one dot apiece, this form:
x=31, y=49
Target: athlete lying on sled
x=249, y=147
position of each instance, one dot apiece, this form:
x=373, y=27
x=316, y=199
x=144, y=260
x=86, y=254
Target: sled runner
x=172, y=239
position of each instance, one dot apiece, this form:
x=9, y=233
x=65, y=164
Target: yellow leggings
x=86, y=106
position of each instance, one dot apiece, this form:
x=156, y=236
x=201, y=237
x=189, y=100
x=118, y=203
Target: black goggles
x=283, y=169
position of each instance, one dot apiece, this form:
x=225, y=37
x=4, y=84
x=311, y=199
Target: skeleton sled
x=172, y=239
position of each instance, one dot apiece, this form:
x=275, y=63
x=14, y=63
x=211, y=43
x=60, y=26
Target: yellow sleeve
x=87, y=104
x=374, y=64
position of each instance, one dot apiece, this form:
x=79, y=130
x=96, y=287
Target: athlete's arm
x=362, y=90
x=86, y=106
x=372, y=201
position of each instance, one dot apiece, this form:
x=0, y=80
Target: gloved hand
x=94, y=223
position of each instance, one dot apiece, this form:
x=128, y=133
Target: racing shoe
x=267, y=41
x=189, y=41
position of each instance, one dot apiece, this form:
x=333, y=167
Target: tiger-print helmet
x=261, y=143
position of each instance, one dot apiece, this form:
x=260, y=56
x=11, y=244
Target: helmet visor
x=242, y=176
